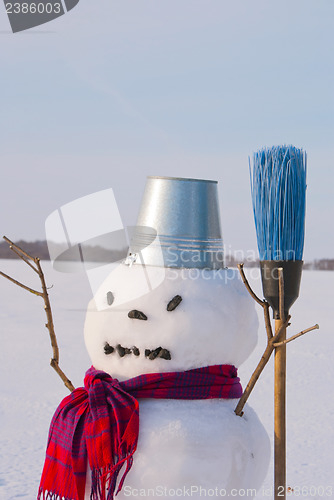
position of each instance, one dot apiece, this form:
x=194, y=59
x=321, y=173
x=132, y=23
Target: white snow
x=31, y=390
x=183, y=443
x=214, y=324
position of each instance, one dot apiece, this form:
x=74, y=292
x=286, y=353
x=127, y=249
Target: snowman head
x=193, y=318
x=172, y=306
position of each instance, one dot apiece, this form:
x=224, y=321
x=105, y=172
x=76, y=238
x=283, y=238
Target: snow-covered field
x=31, y=390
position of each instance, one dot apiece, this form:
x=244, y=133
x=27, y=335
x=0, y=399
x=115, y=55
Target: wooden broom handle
x=280, y=400
x=280, y=409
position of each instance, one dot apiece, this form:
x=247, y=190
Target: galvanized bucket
x=178, y=225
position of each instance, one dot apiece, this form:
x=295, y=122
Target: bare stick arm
x=22, y=257
x=315, y=327
x=262, y=303
x=252, y=381
x=272, y=340
x=19, y=249
x=267, y=323
x=258, y=370
x=21, y=284
x=47, y=306
x=247, y=285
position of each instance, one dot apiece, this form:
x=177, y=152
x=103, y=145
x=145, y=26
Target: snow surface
x=31, y=390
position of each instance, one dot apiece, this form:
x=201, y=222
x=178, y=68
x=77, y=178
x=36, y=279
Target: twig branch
x=315, y=327
x=263, y=303
x=267, y=320
x=272, y=340
x=21, y=284
x=49, y=325
x=11, y=244
x=247, y=285
x=23, y=258
x=258, y=370
x=47, y=307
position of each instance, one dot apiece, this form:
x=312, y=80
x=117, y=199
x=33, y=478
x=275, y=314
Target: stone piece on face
x=165, y=354
x=134, y=314
x=108, y=349
x=154, y=354
x=172, y=304
x=121, y=350
x=110, y=298
x=159, y=352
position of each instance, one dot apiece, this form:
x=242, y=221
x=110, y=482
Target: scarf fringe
x=49, y=495
x=104, y=480
x=52, y=488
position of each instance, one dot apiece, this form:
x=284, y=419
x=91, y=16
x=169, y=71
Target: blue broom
x=278, y=185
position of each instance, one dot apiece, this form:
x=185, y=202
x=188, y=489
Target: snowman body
x=194, y=318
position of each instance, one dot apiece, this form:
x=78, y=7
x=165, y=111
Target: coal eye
x=134, y=314
x=172, y=304
x=110, y=298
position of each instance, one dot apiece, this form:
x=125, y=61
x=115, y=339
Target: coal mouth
x=159, y=352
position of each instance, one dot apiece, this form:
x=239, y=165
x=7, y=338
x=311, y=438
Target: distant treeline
x=40, y=249
x=318, y=264
x=35, y=248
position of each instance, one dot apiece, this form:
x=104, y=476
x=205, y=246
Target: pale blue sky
x=117, y=90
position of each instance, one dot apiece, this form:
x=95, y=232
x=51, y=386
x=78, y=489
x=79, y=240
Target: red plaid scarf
x=101, y=422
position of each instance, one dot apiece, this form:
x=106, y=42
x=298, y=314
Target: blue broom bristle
x=278, y=186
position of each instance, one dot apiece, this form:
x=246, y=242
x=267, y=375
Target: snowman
x=166, y=332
